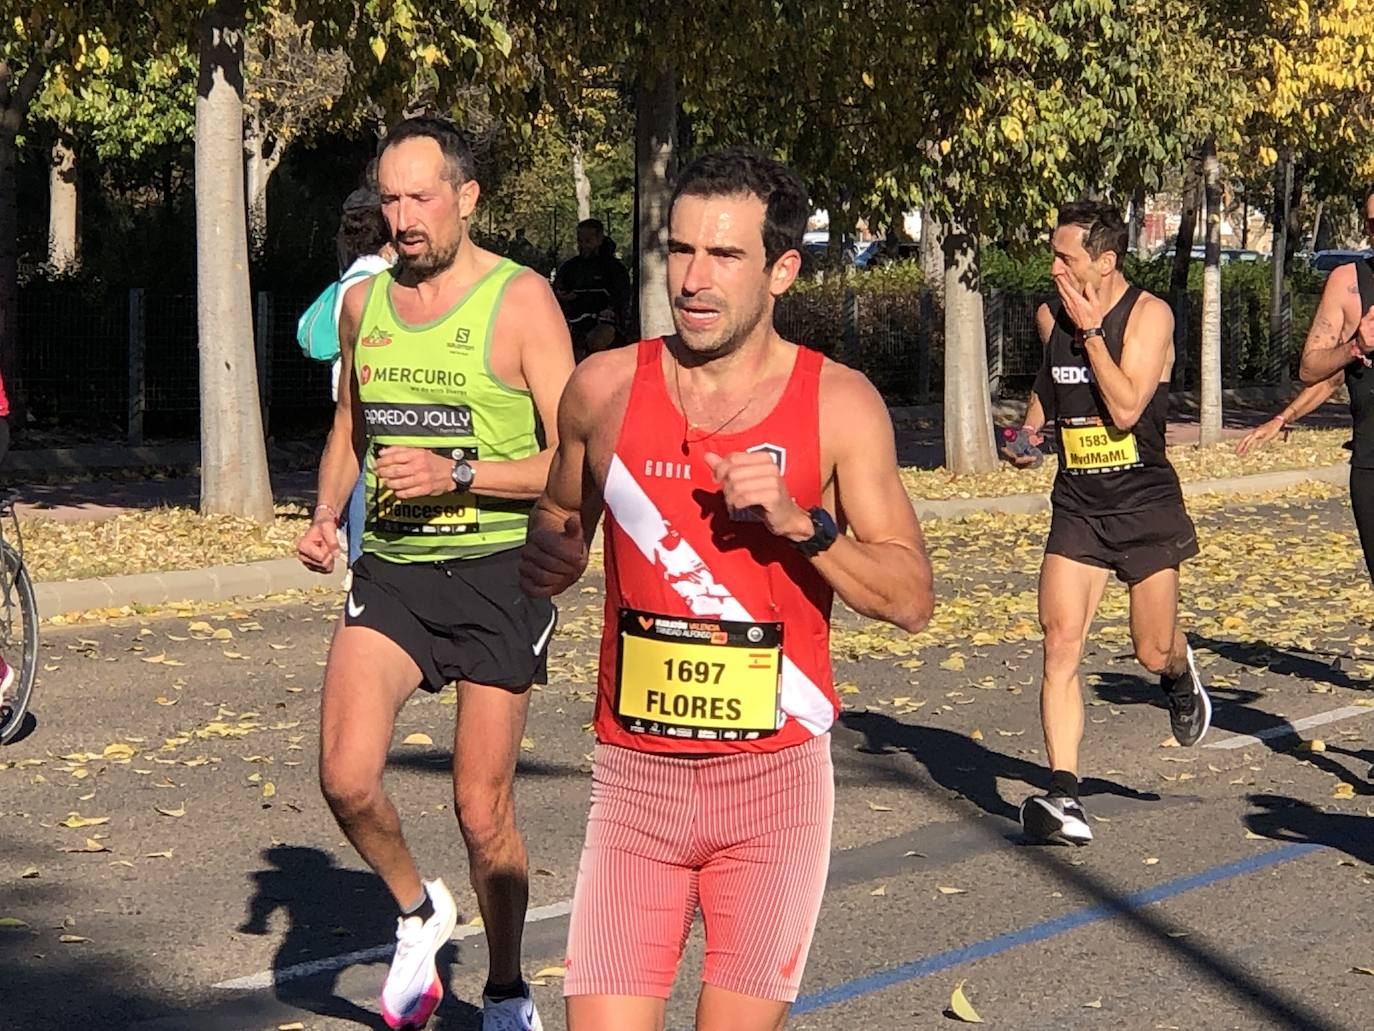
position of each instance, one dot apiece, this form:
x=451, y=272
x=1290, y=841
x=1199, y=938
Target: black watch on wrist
x=463, y=474
x=825, y=534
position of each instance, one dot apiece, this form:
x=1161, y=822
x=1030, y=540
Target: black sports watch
x=463, y=474
x=826, y=532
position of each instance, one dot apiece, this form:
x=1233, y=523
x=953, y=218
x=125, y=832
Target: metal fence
x=126, y=366
x=897, y=339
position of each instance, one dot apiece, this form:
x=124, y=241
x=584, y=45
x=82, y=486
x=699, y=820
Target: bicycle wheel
x=18, y=638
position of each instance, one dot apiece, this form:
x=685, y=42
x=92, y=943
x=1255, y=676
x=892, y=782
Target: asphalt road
x=1228, y=887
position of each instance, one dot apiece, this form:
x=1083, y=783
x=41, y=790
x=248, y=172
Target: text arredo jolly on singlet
x=717, y=632
x=1359, y=380
x=431, y=386
x=1103, y=470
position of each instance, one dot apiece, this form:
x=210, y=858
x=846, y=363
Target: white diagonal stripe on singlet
x=642, y=522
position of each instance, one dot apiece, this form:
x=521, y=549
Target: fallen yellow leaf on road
x=954, y=663
x=1315, y=745
x=943, y=890
x=158, y=855
x=75, y=820
x=961, y=1008
x=178, y=811
x=1096, y=1004
x=879, y=808
x=32, y=871
x=269, y=789
x=92, y=845
x=1344, y=791
x=977, y=735
x=72, y=939
x=552, y=972
x=418, y=738
x=12, y=922
x=1363, y=970
x=119, y=752
x=879, y=890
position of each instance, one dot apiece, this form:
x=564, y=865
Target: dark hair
x=459, y=164
x=740, y=170
x=593, y=224
x=362, y=230
x=1104, y=229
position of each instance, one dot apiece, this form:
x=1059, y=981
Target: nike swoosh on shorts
x=354, y=613
x=544, y=637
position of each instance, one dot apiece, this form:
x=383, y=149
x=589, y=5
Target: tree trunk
x=1316, y=226
x=1210, y=360
x=968, y=405
x=655, y=133
x=1183, y=256
x=1187, y=224
x=582, y=186
x=1137, y=223
x=233, y=454
x=63, y=239
x=1283, y=192
x=933, y=257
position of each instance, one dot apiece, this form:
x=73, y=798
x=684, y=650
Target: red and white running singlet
x=717, y=632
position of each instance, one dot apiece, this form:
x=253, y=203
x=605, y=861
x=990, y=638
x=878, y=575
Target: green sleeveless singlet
x=432, y=386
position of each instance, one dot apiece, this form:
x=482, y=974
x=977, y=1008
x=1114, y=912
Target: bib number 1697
x=688, y=672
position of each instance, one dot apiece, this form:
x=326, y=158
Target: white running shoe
x=1055, y=818
x=510, y=1015
x=412, y=991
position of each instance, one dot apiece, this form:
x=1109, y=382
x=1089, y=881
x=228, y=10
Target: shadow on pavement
x=1291, y=819
x=957, y=762
x=331, y=910
x=48, y=985
x=966, y=767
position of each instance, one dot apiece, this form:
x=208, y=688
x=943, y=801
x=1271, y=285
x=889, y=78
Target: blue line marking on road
x=1046, y=929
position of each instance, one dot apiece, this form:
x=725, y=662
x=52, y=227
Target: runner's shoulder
x=599, y=386
x=1342, y=281
x=849, y=391
x=1152, y=310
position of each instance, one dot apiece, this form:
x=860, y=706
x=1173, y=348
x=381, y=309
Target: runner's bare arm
x=564, y=518
x=1127, y=388
x=1034, y=420
x=882, y=571
x=340, y=463
x=1327, y=349
x=1308, y=399
x=546, y=360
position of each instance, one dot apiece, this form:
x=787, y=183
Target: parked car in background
x=1324, y=261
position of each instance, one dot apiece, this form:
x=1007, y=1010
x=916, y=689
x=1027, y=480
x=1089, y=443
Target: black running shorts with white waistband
x=458, y=620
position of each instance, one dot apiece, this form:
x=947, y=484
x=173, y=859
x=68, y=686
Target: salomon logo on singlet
x=1071, y=374
x=425, y=420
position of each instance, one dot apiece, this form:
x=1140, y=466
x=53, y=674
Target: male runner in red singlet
x=729, y=462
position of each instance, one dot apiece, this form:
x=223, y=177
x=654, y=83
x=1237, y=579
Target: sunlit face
x=1369, y=219
x=1072, y=259
x=426, y=213
x=720, y=288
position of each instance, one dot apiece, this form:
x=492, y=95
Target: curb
x=214, y=583
x=1027, y=504
x=256, y=579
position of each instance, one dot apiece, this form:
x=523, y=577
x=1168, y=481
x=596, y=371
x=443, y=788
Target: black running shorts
x=1134, y=545
x=459, y=620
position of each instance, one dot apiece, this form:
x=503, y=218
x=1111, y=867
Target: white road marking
x=268, y=978
x=1290, y=728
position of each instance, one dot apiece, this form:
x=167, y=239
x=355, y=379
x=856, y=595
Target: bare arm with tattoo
x=1339, y=335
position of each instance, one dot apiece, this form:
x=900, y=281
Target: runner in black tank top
x=1117, y=503
x=1338, y=350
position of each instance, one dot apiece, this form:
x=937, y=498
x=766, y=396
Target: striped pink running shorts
x=745, y=837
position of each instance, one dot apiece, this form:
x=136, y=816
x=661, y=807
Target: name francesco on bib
x=717, y=633
x=430, y=386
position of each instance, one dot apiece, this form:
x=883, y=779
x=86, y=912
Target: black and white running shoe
x=1056, y=819
x=1190, y=707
